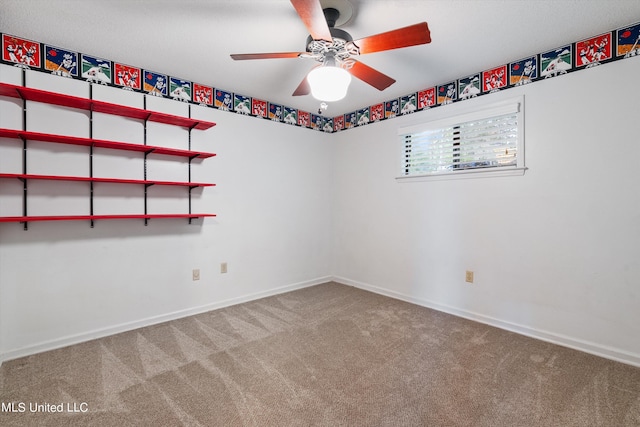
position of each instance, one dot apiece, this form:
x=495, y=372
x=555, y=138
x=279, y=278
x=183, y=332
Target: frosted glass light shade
x=329, y=83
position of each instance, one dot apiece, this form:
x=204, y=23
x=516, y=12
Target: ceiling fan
x=335, y=49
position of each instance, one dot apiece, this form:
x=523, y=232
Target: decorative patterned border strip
x=607, y=47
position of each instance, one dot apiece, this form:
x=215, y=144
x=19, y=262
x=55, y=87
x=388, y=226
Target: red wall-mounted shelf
x=91, y=105
x=108, y=180
x=99, y=217
x=38, y=95
x=91, y=142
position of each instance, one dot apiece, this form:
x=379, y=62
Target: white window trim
x=512, y=105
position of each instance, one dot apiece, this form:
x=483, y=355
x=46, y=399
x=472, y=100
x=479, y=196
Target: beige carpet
x=329, y=355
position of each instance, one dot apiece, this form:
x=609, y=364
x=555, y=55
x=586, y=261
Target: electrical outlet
x=223, y=267
x=196, y=274
x=469, y=276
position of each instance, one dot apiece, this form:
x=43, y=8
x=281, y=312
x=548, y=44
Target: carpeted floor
x=329, y=355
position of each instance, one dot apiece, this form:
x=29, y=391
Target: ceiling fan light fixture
x=329, y=83
x=333, y=46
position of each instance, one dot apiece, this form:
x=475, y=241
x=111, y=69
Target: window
x=487, y=140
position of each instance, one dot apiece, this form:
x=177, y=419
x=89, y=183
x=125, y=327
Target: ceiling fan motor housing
x=340, y=48
x=339, y=37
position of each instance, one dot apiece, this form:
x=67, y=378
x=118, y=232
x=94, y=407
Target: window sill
x=464, y=174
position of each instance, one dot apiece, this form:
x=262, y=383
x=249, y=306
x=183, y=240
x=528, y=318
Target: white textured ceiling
x=192, y=39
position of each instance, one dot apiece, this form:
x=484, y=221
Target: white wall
x=63, y=282
x=555, y=252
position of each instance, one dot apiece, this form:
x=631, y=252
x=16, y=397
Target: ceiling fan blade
x=242, y=56
x=369, y=75
x=303, y=88
x=395, y=39
x=311, y=13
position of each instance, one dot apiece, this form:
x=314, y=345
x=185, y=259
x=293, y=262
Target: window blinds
x=487, y=140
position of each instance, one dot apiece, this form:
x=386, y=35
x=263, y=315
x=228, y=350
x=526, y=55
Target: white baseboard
x=124, y=327
x=563, y=340
x=576, y=344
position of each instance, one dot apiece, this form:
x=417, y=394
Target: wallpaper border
x=607, y=47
